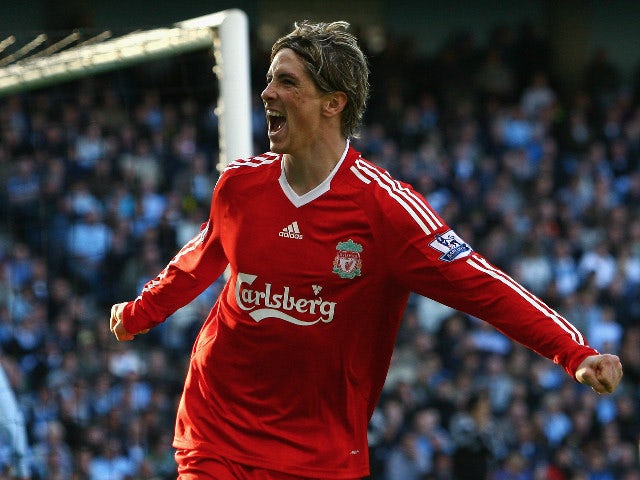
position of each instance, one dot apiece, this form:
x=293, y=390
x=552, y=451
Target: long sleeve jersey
x=291, y=360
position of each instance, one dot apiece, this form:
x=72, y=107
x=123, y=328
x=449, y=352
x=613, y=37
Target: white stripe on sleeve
x=484, y=266
x=408, y=199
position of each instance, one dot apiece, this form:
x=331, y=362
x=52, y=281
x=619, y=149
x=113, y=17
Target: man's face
x=293, y=105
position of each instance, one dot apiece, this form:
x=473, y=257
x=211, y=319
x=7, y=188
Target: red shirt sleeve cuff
x=132, y=324
x=577, y=359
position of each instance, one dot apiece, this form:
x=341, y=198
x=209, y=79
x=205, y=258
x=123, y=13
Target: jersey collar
x=300, y=200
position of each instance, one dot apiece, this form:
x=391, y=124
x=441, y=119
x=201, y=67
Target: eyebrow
x=283, y=76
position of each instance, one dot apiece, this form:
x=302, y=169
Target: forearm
x=199, y=263
x=161, y=297
x=484, y=291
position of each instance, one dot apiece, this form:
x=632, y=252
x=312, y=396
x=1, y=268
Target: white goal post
x=227, y=32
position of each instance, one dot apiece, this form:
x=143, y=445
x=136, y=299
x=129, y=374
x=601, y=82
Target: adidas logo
x=291, y=231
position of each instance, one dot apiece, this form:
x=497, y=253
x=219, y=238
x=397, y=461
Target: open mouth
x=276, y=121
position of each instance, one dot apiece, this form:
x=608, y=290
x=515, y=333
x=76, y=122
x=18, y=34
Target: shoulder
x=392, y=197
x=379, y=182
x=251, y=164
x=367, y=172
x=256, y=167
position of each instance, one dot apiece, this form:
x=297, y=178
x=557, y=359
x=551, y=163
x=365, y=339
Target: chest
x=327, y=241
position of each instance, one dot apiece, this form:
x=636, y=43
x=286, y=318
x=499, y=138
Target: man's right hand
x=116, y=325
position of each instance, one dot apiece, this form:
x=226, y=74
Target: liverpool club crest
x=348, y=263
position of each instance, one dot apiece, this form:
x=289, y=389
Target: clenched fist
x=601, y=372
x=116, y=325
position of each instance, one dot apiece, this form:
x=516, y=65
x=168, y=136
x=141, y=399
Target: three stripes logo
x=291, y=231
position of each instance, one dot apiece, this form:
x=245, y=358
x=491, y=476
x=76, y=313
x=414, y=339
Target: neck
x=306, y=172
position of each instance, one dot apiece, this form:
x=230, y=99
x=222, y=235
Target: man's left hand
x=601, y=372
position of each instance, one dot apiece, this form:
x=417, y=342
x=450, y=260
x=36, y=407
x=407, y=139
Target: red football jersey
x=291, y=360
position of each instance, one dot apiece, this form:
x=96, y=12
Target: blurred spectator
x=14, y=452
x=602, y=77
x=23, y=196
x=605, y=333
x=498, y=383
x=197, y=181
x=88, y=243
x=495, y=78
x=534, y=269
x=538, y=95
x=432, y=436
x=555, y=423
x=408, y=459
x=81, y=200
x=473, y=445
x=149, y=208
x=597, y=266
x=20, y=267
x=159, y=460
x=514, y=467
x=385, y=431
x=142, y=164
x=111, y=462
x=89, y=147
x=52, y=456
x=566, y=278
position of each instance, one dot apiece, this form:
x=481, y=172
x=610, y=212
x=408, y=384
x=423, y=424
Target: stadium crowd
x=104, y=179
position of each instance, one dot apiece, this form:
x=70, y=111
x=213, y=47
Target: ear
x=335, y=103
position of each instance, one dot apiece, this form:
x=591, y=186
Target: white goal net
x=226, y=32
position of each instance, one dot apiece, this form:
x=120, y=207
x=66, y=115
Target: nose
x=267, y=93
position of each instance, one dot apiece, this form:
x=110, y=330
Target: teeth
x=272, y=113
